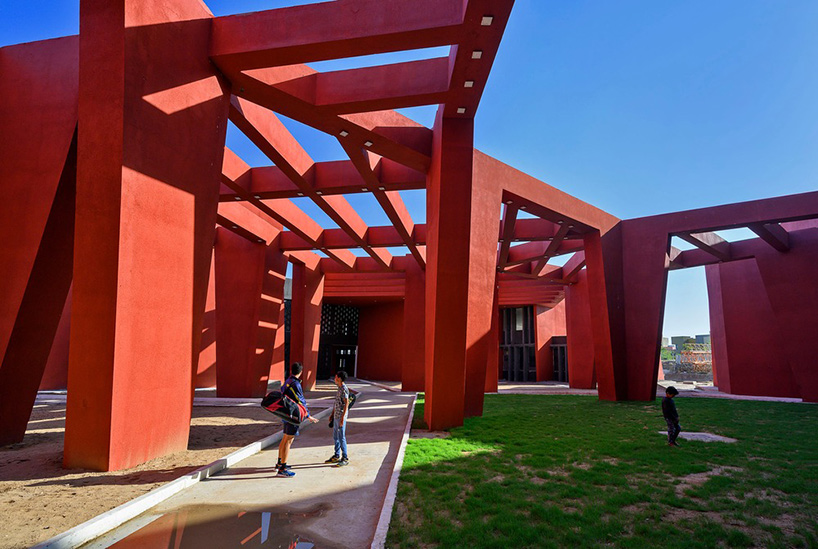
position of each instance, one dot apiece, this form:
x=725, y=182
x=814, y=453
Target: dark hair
x=296, y=368
x=671, y=391
x=341, y=374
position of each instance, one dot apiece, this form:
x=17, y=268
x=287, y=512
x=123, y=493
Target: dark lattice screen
x=341, y=320
x=339, y=338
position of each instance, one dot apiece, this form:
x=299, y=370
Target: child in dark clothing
x=292, y=388
x=671, y=415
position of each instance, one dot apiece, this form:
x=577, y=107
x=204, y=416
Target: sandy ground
x=39, y=499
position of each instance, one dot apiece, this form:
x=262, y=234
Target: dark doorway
x=343, y=358
x=518, y=344
x=339, y=340
x=559, y=350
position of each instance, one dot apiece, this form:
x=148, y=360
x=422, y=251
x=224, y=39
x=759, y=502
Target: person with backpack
x=292, y=389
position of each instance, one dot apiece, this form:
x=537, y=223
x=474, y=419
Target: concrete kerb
x=382, y=529
x=109, y=520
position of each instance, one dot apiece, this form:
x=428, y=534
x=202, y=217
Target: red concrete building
x=141, y=257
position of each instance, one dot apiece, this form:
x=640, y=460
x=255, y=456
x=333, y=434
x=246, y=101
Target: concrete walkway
x=322, y=506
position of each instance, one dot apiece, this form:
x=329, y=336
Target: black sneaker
x=333, y=459
x=285, y=473
x=343, y=463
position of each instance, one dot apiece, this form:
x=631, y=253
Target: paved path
x=322, y=506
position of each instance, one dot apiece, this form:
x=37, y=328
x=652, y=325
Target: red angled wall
x=55, y=377
x=748, y=353
x=380, y=341
x=549, y=324
x=206, y=369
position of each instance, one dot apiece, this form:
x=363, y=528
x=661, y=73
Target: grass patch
x=557, y=471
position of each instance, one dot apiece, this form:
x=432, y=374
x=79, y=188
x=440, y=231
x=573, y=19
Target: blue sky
x=636, y=106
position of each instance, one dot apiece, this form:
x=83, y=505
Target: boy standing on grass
x=671, y=415
x=338, y=421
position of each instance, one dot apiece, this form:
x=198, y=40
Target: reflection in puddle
x=225, y=526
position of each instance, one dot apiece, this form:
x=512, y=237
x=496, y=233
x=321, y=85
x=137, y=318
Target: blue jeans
x=339, y=435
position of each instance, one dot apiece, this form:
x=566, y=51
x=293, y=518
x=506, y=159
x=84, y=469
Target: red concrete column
x=644, y=252
x=580, y=338
x=462, y=225
x=603, y=258
x=549, y=323
x=239, y=276
x=493, y=355
x=305, y=320
x=753, y=361
x=271, y=326
x=153, y=113
x=55, y=376
x=413, y=369
x=790, y=280
x=38, y=118
x=718, y=331
x=206, y=365
x=627, y=287
x=277, y=366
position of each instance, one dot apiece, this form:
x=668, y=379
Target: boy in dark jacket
x=671, y=415
x=292, y=388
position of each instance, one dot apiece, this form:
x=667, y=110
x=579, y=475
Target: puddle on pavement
x=227, y=526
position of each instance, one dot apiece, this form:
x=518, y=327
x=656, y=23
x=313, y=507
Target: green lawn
x=572, y=471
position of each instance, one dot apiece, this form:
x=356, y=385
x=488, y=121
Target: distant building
x=679, y=341
x=703, y=338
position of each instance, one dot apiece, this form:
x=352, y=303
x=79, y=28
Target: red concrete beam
x=280, y=212
x=402, y=142
x=369, y=286
x=506, y=234
x=535, y=251
x=335, y=177
x=781, y=209
x=552, y=248
x=710, y=243
x=473, y=55
x=572, y=267
x=534, y=229
x=333, y=239
x=543, y=200
x=773, y=234
x=265, y=130
x=394, y=86
x=332, y=30
x=391, y=201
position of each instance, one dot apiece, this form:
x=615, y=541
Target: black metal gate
x=518, y=344
x=559, y=354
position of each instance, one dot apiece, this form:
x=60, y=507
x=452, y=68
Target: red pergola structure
x=124, y=210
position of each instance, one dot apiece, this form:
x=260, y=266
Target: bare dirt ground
x=39, y=499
